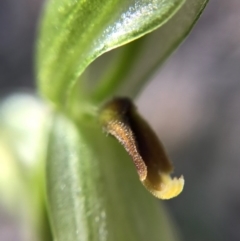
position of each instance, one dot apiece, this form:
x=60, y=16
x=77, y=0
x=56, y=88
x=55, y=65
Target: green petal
x=75, y=32
x=94, y=192
x=132, y=65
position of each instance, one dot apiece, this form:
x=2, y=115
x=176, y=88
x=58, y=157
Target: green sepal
x=94, y=192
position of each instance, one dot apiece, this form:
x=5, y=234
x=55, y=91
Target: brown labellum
x=120, y=118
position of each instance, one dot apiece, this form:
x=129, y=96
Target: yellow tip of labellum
x=168, y=187
x=120, y=119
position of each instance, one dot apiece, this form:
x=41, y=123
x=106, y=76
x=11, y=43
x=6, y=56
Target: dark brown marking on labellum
x=120, y=118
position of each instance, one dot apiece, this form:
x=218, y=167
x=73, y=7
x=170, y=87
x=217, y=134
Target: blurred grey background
x=193, y=103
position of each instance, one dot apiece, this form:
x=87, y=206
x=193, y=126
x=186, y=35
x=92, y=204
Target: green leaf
x=74, y=33
x=94, y=192
x=131, y=65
